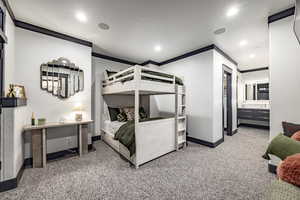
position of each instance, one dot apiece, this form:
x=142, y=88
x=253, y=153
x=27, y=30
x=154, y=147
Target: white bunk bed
x=150, y=141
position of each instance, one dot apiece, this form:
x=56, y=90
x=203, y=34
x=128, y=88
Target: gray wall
x=197, y=72
x=98, y=67
x=33, y=49
x=203, y=78
x=284, y=74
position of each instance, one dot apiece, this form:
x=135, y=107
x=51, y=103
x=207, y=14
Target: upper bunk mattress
x=111, y=127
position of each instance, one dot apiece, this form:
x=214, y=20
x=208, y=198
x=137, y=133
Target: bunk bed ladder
x=180, y=117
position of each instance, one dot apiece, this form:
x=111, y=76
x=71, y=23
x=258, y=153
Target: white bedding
x=274, y=160
x=112, y=127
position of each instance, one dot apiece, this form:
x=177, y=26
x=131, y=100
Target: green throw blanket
x=282, y=147
x=126, y=134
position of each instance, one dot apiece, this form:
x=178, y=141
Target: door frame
x=229, y=117
x=2, y=83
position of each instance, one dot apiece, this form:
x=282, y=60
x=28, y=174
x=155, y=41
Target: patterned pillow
x=143, y=114
x=296, y=136
x=129, y=113
x=289, y=170
x=289, y=128
x=122, y=117
x=113, y=113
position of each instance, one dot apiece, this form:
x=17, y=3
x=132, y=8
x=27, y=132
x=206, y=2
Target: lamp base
x=78, y=117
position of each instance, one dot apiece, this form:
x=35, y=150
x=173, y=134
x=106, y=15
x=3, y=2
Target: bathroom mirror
x=257, y=91
x=62, y=78
x=249, y=91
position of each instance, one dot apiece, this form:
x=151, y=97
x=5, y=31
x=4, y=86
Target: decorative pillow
x=143, y=114
x=282, y=147
x=296, y=136
x=289, y=170
x=129, y=113
x=289, y=128
x=122, y=117
x=113, y=113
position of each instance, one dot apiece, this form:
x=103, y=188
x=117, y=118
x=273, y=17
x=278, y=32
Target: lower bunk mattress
x=111, y=127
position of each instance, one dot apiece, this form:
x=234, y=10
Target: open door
x=1, y=95
x=227, y=101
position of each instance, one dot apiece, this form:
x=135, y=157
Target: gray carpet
x=234, y=170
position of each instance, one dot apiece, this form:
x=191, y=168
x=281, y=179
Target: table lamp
x=78, y=109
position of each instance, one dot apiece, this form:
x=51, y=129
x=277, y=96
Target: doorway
x=227, y=101
x=1, y=95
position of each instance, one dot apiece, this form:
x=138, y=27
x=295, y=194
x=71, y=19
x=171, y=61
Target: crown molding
x=281, y=15
x=199, y=51
x=48, y=32
x=254, y=70
x=114, y=59
x=189, y=54
x=150, y=62
x=225, y=55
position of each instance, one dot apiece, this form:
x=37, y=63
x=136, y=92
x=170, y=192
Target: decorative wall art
x=62, y=78
x=16, y=91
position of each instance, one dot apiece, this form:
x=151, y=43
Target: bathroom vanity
x=254, y=110
x=254, y=115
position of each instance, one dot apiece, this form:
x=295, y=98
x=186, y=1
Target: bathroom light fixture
x=232, y=11
x=80, y=16
x=157, y=48
x=243, y=42
x=252, y=56
x=103, y=26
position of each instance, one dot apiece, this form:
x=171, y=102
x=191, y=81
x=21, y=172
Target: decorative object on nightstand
x=32, y=120
x=11, y=93
x=16, y=91
x=78, y=109
x=41, y=121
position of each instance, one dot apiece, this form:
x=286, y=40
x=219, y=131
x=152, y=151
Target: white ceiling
x=178, y=26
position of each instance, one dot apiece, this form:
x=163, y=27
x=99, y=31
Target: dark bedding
x=126, y=134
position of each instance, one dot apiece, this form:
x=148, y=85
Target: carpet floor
x=234, y=170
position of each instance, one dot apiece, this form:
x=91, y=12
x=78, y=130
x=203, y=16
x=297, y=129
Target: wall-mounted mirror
x=257, y=91
x=62, y=78
x=250, y=91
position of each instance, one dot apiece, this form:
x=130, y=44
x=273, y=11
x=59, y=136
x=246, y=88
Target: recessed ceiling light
x=157, y=48
x=232, y=11
x=252, y=56
x=243, y=42
x=103, y=26
x=220, y=31
x=80, y=16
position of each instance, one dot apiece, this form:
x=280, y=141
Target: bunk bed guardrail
x=143, y=74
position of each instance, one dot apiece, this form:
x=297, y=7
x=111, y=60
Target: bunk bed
x=152, y=137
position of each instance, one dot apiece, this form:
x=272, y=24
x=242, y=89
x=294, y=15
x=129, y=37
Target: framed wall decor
x=61, y=78
x=16, y=91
